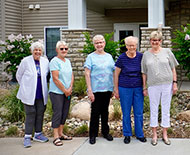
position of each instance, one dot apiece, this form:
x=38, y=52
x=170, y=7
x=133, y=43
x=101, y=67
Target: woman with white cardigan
x=33, y=92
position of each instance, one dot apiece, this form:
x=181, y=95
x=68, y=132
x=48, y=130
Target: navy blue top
x=130, y=75
x=39, y=94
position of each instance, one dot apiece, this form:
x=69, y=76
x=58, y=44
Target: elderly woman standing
x=61, y=84
x=159, y=74
x=128, y=87
x=33, y=92
x=99, y=68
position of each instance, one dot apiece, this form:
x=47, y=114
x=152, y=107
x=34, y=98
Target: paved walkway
x=184, y=86
x=81, y=146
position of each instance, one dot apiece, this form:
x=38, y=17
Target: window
x=51, y=36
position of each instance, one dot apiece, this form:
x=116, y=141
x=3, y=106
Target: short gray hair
x=131, y=38
x=35, y=45
x=98, y=37
x=59, y=43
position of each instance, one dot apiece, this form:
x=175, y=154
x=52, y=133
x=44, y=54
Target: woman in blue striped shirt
x=128, y=87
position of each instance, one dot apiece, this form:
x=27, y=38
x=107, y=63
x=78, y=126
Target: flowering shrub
x=182, y=47
x=15, y=48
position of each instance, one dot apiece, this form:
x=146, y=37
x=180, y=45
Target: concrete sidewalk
x=81, y=146
x=184, y=85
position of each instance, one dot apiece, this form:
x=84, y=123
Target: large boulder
x=184, y=116
x=81, y=110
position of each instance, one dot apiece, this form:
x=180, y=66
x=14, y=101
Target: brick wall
x=76, y=41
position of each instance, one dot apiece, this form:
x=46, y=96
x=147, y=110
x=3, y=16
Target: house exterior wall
x=13, y=17
x=178, y=14
x=51, y=13
x=104, y=23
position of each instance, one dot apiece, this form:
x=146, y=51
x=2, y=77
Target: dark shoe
x=92, y=140
x=127, y=139
x=143, y=139
x=108, y=137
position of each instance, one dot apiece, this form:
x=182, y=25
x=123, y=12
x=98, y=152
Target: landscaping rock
x=184, y=116
x=81, y=110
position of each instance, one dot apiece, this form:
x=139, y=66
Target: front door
x=122, y=30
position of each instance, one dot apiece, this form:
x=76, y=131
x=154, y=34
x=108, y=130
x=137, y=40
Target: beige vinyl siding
x=51, y=13
x=13, y=17
x=104, y=23
x=0, y=23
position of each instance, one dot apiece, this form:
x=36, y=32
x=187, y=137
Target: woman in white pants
x=159, y=74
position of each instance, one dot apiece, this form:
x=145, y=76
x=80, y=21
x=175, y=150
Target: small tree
x=15, y=48
x=182, y=47
x=112, y=47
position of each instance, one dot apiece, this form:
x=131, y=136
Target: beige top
x=158, y=67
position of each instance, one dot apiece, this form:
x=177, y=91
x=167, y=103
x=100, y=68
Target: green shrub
x=117, y=110
x=14, y=106
x=146, y=105
x=112, y=47
x=65, y=129
x=182, y=47
x=11, y=131
x=81, y=130
x=170, y=131
x=80, y=87
x=49, y=111
x=15, y=49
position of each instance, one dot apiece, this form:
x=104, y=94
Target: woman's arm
x=55, y=76
x=88, y=83
x=174, y=81
x=20, y=71
x=116, y=79
x=144, y=77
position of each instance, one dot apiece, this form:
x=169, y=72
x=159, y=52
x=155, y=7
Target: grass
x=11, y=131
x=81, y=130
x=117, y=110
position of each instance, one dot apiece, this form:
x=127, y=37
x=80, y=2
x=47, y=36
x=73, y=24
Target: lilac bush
x=14, y=49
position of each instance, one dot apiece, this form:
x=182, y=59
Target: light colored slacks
x=157, y=94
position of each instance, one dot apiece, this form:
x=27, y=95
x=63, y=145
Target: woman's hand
x=116, y=93
x=175, y=89
x=145, y=92
x=91, y=96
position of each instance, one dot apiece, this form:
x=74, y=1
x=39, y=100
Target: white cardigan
x=26, y=76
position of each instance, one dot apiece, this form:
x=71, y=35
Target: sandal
x=166, y=141
x=57, y=142
x=154, y=142
x=65, y=137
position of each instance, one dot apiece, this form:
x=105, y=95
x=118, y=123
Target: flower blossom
x=187, y=37
x=3, y=42
x=19, y=37
x=185, y=29
x=28, y=37
x=12, y=38
x=10, y=47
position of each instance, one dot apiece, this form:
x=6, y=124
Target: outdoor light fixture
x=37, y=6
x=31, y=7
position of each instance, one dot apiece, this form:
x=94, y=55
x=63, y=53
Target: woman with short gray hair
x=33, y=92
x=99, y=68
x=159, y=83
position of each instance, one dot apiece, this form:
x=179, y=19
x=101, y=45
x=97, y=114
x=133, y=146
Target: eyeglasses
x=101, y=42
x=131, y=46
x=155, y=40
x=64, y=49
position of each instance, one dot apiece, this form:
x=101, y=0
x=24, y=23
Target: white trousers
x=157, y=94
